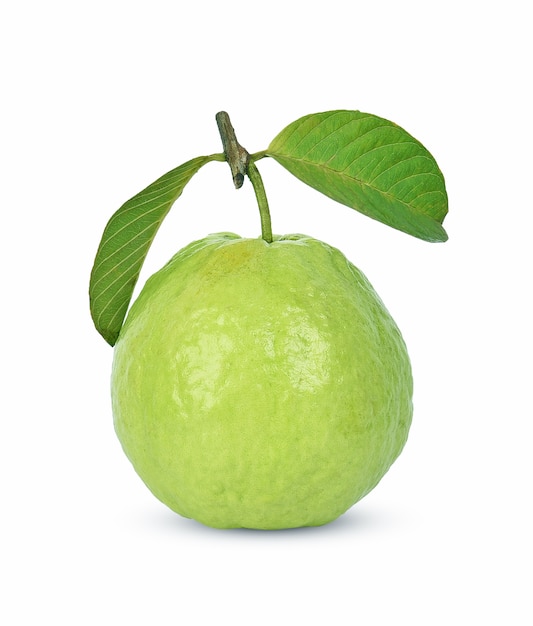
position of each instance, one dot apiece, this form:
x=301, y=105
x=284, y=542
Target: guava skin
x=260, y=385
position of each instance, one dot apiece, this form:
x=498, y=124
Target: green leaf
x=368, y=164
x=125, y=244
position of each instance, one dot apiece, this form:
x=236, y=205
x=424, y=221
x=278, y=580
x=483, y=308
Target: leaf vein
x=144, y=243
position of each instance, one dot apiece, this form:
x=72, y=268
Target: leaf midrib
x=358, y=181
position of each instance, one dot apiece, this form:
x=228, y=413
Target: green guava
x=260, y=385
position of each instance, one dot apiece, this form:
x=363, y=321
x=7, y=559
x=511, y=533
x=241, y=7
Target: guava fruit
x=260, y=385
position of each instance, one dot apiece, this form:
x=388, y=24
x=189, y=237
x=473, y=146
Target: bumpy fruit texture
x=260, y=385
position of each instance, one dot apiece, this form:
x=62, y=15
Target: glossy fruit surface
x=260, y=385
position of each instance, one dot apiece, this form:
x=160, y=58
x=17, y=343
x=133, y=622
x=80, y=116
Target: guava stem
x=260, y=194
x=236, y=155
x=241, y=164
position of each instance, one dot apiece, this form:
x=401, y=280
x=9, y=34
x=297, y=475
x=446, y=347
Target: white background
x=101, y=98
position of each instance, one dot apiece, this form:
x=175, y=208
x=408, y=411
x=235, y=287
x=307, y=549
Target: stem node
x=235, y=154
x=242, y=164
